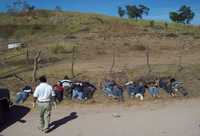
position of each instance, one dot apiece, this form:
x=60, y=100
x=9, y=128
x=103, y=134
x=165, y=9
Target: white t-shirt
x=43, y=92
x=66, y=83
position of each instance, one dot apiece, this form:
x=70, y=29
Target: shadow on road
x=15, y=114
x=62, y=121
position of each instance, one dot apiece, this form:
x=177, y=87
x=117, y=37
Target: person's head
x=140, y=83
x=66, y=77
x=43, y=79
x=59, y=83
x=172, y=80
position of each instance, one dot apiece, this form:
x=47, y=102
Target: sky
x=159, y=9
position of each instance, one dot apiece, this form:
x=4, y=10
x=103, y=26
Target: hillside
x=95, y=38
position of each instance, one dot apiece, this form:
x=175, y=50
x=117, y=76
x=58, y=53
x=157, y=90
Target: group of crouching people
x=137, y=89
x=75, y=90
x=83, y=90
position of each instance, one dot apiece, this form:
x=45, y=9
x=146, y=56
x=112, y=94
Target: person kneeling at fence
x=67, y=85
x=82, y=90
x=112, y=89
x=23, y=94
x=177, y=86
x=77, y=91
x=135, y=90
x=88, y=90
x=58, y=89
x=153, y=89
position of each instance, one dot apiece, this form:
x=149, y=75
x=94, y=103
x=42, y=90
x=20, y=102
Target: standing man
x=44, y=95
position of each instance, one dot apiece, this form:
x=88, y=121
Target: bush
x=166, y=25
x=152, y=23
x=140, y=47
x=60, y=48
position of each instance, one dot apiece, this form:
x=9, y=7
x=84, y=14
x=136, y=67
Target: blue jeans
x=107, y=91
x=21, y=97
x=117, y=92
x=76, y=94
x=153, y=91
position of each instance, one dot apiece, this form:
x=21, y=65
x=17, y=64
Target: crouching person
x=108, y=87
x=112, y=89
x=77, y=91
x=88, y=90
x=44, y=96
x=164, y=83
x=58, y=89
x=67, y=85
x=23, y=94
x=153, y=89
x=82, y=90
x=135, y=90
x=177, y=86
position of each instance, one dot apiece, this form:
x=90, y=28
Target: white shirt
x=43, y=92
x=66, y=83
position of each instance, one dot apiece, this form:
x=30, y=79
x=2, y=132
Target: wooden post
x=180, y=56
x=27, y=55
x=35, y=67
x=113, y=59
x=73, y=61
x=148, y=59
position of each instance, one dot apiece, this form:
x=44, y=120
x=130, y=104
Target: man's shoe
x=46, y=130
x=40, y=128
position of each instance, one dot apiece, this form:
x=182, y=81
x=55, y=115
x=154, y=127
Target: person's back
x=140, y=88
x=44, y=95
x=88, y=90
x=44, y=92
x=108, y=87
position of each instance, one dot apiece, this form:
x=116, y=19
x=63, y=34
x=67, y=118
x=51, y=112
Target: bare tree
x=35, y=67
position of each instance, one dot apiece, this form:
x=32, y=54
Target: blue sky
x=159, y=9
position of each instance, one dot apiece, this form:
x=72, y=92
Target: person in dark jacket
x=23, y=94
x=88, y=90
x=135, y=90
x=112, y=89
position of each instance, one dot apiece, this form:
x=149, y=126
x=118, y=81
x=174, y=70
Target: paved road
x=177, y=118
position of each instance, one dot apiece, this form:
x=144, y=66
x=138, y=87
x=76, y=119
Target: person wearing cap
x=44, y=95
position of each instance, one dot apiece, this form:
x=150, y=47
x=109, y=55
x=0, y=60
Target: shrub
x=152, y=23
x=166, y=25
x=60, y=48
x=140, y=47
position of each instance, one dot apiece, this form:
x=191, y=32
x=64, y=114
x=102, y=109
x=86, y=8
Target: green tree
x=134, y=11
x=19, y=6
x=121, y=11
x=58, y=9
x=183, y=15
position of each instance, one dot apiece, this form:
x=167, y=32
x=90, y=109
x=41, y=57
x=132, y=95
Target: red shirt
x=58, y=88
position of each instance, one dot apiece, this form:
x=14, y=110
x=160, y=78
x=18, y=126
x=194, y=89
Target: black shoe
x=46, y=130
